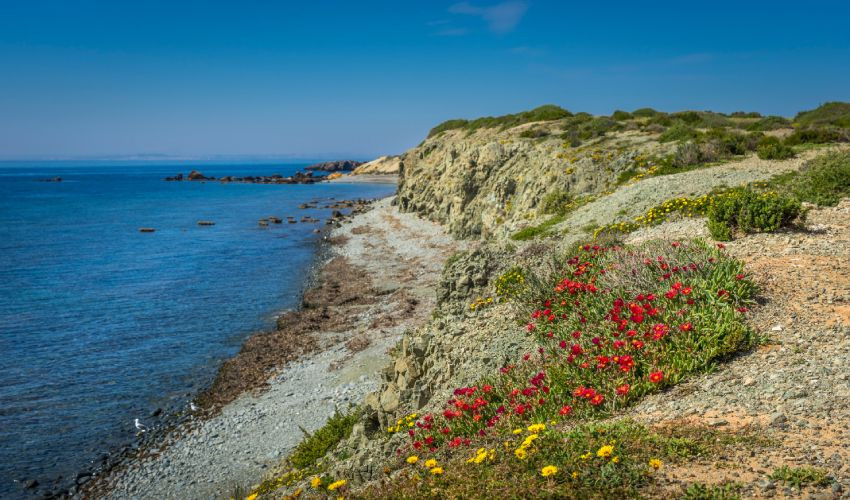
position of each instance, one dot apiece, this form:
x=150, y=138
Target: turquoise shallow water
x=100, y=324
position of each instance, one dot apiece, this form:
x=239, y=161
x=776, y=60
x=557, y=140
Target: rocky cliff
x=486, y=183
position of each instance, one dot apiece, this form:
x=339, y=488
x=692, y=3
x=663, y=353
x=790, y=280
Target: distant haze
x=363, y=79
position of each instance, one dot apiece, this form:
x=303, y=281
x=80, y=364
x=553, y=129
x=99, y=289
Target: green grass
x=800, y=476
x=547, y=112
x=542, y=229
x=699, y=491
x=317, y=445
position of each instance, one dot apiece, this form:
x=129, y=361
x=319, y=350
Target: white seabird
x=140, y=427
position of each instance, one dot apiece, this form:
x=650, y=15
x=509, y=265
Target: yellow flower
x=337, y=484
x=586, y=456
x=536, y=428
x=517, y=431
x=316, y=482
x=605, y=451
x=575, y=474
x=437, y=471
x=412, y=459
x=520, y=453
x=615, y=460
x=655, y=463
x=251, y=497
x=549, y=470
x=431, y=463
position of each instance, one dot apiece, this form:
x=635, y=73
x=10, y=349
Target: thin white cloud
x=501, y=18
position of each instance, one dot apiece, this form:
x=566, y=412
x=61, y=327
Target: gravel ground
x=404, y=255
x=795, y=388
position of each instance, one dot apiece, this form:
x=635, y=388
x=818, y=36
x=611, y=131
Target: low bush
x=644, y=113
x=547, y=112
x=771, y=148
x=542, y=229
x=678, y=132
x=318, y=444
x=817, y=135
x=621, y=115
x=556, y=202
x=746, y=114
x=823, y=181
x=836, y=114
x=769, y=123
x=534, y=133
x=749, y=211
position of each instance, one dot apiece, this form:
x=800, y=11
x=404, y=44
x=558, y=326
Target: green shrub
x=769, y=123
x=678, y=132
x=644, y=113
x=823, y=181
x=750, y=211
x=817, y=135
x=771, y=148
x=836, y=114
x=689, y=117
x=621, y=115
x=315, y=446
x=746, y=114
x=547, y=112
x=556, y=202
x=534, y=133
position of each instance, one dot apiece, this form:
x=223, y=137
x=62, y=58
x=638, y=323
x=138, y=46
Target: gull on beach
x=193, y=406
x=140, y=427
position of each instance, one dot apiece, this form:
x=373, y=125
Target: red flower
x=686, y=327
x=597, y=400
x=656, y=377
x=623, y=389
x=566, y=410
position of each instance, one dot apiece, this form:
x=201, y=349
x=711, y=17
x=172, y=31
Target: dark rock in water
x=146, y=229
x=158, y=411
x=335, y=166
x=194, y=175
x=83, y=477
x=178, y=177
x=30, y=484
x=275, y=219
x=263, y=222
x=203, y=223
x=52, y=179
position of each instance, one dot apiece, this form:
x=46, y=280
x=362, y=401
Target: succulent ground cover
x=612, y=324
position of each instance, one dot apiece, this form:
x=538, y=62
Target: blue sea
x=101, y=324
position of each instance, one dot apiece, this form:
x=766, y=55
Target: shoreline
x=372, y=278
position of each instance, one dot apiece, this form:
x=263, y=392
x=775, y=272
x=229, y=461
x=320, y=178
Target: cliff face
x=489, y=182
x=382, y=165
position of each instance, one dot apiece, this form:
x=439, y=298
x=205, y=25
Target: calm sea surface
x=101, y=324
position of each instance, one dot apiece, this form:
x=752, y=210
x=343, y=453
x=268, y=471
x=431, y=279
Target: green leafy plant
x=751, y=211
x=771, y=148
x=800, y=476
x=316, y=445
x=823, y=181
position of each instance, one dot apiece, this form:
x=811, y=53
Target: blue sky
x=364, y=78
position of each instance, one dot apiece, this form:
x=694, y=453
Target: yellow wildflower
x=336, y=484
x=437, y=471
x=316, y=482
x=412, y=459
x=575, y=474
x=520, y=453
x=655, y=463
x=605, y=451
x=251, y=497
x=615, y=460
x=586, y=456
x=536, y=428
x=517, y=431
x=430, y=463
x=549, y=470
